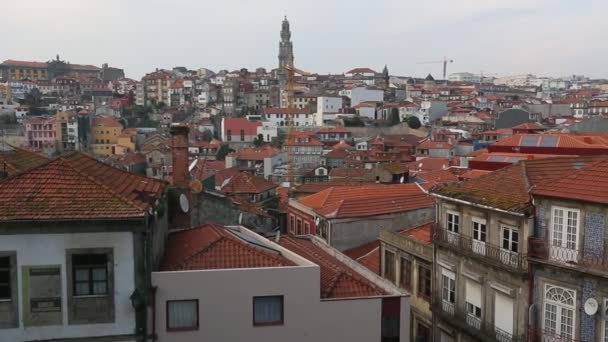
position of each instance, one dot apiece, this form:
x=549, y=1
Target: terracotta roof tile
x=14, y=160
x=58, y=191
x=421, y=233
x=589, y=182
x=337, y=279
x=246, y=183
x=367, y=255
x=344, y=172
x=367, y=200
x=215, y=247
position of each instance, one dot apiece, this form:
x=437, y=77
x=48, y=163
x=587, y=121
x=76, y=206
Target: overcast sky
x=542, y=37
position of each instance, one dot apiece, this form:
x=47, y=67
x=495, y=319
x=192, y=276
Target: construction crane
x=291, y=72
x=445, y=62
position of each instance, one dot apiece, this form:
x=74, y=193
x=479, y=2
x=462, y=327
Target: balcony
x=547, y=336
x=484, y=251
x=473, y=326
x=544, y=251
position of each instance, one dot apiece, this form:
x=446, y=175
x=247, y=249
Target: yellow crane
x=291, y=73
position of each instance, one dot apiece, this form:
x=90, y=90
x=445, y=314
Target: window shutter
x=473, y=293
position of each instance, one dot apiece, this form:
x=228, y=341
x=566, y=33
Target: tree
x=207, y=135
x=394, y=118
x=259, y=140
x=222, y=152
x=354, y=122
x=413, y=122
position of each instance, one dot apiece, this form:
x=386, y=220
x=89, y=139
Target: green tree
x=259, y=140
x=413, y=122
x=394, y=118
x=354, y=122
x=222, y=152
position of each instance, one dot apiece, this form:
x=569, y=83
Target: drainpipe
x=531, y=305
x=153, y=337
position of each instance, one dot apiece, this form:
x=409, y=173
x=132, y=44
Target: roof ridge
x=184, y=261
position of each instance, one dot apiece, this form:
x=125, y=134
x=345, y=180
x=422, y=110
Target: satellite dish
x=184, y=203
x=591, y=306
x=196, y=186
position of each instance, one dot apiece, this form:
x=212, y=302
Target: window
x=448, y=287
x=268, y=310
x=229, y=135
x=564, y=233
x=473, y=299
x=453, y=222
x=389, y=266
x=5, y=278
x=509, y=245
x=479, y=236
x=292, y=225
x=424, y=282
x=242, y=135
x=90, y=274
x=298, y=226
x=406, y=273
x=559, y=311
x=182, y=315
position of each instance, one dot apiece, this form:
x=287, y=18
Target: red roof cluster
x=367, y=255
x=338, y=280
x=14, y=160
x=235, y=125
x=367, y=200
x=215, y=247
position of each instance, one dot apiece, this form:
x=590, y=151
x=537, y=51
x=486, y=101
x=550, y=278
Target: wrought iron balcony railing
x=487, y=251
x=567, y=256
x=541, y=335
x=456, y=315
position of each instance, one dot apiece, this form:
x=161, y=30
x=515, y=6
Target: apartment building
x=106, y=132
x=41, y=133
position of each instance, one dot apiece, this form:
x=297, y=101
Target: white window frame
x=451, y=277
x=451, y=224
x=479, y=245
x=507, y=255
x=562, y=247
x=559, y=307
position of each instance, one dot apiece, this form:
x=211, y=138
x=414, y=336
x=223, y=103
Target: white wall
x=326, y=104
x=361, y=94
x=226, y=307
x=50, y=249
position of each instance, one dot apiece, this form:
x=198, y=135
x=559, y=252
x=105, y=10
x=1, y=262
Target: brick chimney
x=179, y=151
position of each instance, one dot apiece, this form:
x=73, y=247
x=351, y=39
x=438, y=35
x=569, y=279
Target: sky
x=504, y=37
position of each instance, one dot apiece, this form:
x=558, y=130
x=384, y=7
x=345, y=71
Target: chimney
x=179, y=151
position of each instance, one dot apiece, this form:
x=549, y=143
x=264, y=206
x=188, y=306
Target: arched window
x=559, y=314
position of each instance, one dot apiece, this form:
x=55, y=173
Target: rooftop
x=246, y=183
x=216, y=247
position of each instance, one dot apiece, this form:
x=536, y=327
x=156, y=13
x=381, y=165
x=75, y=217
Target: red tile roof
x=360, y=71
x=367, y=200
x=256, y=153
x=588, y=182
x=14, y=160
x=57, y=190
x=246, y=183
x=338, y=280
x=238, y=124
x=106, y=121
x=470, y=174
x=429, y=164
x=434, y=145
x=422, y=233
x=11, y=62
x=562, y=141
x=435, y=177
x=508, y=188
x=214, y=247
x=529, y=126
x=367, y=255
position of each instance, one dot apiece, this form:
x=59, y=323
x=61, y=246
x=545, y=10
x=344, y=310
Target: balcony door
x=509, y=246
x=453, y=227
x=559, y=312
x=503, y=316
x=564, y=234
x=479, y=236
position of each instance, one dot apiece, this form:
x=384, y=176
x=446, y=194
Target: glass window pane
x=81, y=289
x=267, y=310
x=81, y=274
x=100, y=288
x=99, y=274
x=182, y=314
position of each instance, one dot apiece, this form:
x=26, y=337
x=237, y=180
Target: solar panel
x=549, y=141
x=529, y=140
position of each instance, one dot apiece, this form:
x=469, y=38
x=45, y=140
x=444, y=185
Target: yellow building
x=126, y=141
x=105, y=133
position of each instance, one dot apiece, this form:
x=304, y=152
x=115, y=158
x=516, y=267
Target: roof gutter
x=477, y=205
